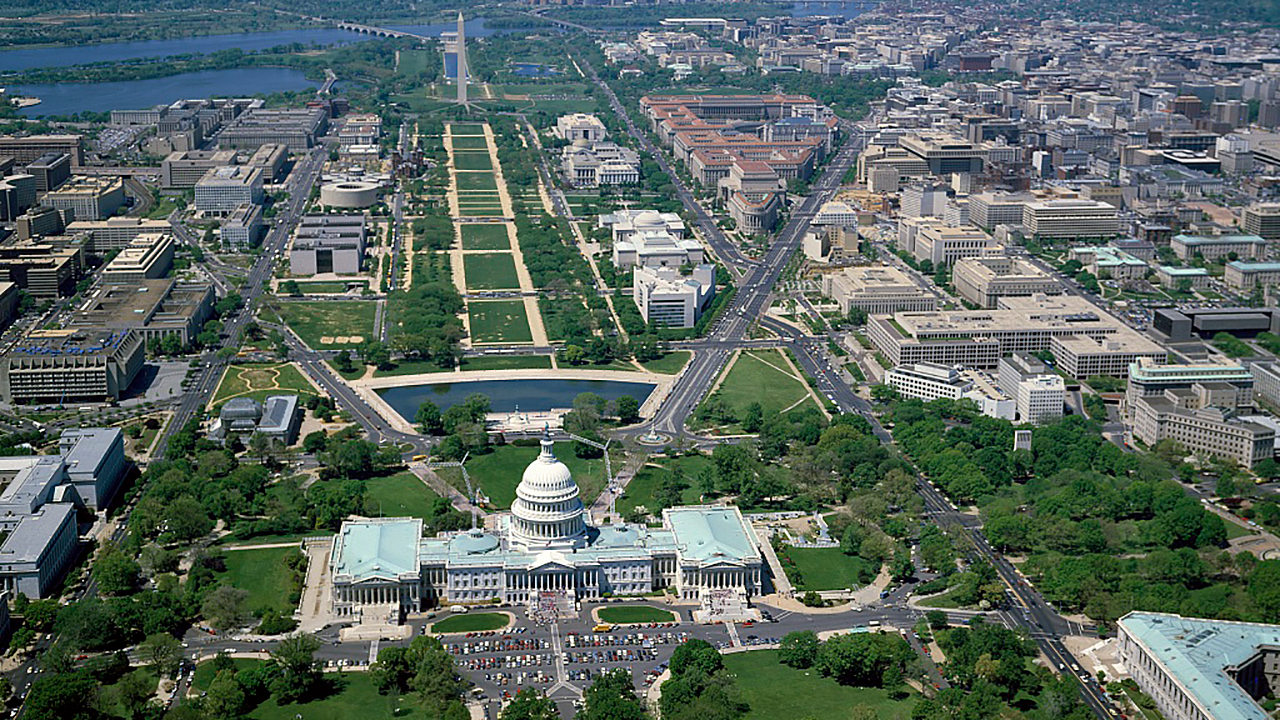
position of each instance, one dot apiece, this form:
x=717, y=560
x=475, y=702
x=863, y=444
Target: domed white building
x=544, y=550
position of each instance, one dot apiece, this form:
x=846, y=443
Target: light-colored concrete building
x=1105, y=261
x=1241, y=275
x=984, y=280
x=183, y=169
x=656, y=248
x=1198, y=419
x=1262, y=220
x=836, y=212
x=1069, y=218
x=580, y=126
x=1198, y=669
x=1214, y=247
x=666, y=297
x=1148, y=378
x=243, y=227
x=876, y=289
x=328, y=244
x=70, y=365
x=89, y=197
x=147, y=257
x=1039, y=399
x=931, y=381
x=223, y=189
x=117, y=232
x=943, y=244
x=1173, y=277
x=623, y=224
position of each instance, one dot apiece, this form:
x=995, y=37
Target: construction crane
x=608, y=467
x=473, y=494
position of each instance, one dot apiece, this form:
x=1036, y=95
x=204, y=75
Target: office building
x=544, y=554
x=116, y=233
x=836, y=212
x=1175, y=277
x=183, y=169
x=328, y=244
x=225, y=188
x=151, y=309
x=1199, y=419
x=655, y=248
x=1266, y=381
x=17, y=195
x=44, y=270
x=1039, y=399
x=28, y=149
x=147, y=257
x=755, y=213
x=600, y=164
x=943, y=244
x=1148, y=378
x=295, y=129
x=924, y=200
x=1241, y=275
x=580, y=126
x=931, y=381
x=943, y=153
x=1262, y=219
x=979, y=338
x=667, y=297
x=36, y=553
x=269, y=158
x=1196, y=669
x=50, y=171
x=1070, y=218
x=243, y=228
x=984, y=280
x=40, y=221
x=876, y=289
x=70, y=365
x=989, y=210
x=1212, y=248
x=95, y=463
x=89, y=197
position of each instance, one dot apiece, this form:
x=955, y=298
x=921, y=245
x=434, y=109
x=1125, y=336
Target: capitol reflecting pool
x=508, y=395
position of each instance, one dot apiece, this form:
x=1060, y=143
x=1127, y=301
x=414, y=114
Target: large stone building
x=1198, y=669
x=72, y=364
x=984, y=280
x=667, y=297
x=89, y=197
x=544, y=550
x=876, y=289
x=1202, y=418
x=328, y=244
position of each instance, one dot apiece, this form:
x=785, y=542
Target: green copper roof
x=1196, y=652
x=710, y=533
x=378, y=548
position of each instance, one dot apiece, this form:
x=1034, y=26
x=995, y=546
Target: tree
x=628, y=409
x=315, y=442
x=799, y=649
x=298, y=672
x=429, y=420
x=63, y=696
x=162, y=652
x=225, y=698
x=937, y=620
x=612, y=697
x=753, y=418
x=117, y=573
x=223, y=608
x=343, y=361
x=134, y=692
x=530, y=704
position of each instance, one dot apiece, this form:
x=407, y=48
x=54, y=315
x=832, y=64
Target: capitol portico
x=544, y=551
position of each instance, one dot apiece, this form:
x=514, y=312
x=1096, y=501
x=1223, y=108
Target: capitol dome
x=548, y=512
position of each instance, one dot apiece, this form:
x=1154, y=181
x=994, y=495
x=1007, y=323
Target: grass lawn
x=263, y=574
x=943, y=600
x=322, y=325
x=1236, y=530
x=498, y=473
x=485, y=236
x=466, y=129
x=400, y=495
x=490, y=271
x=623, y=614
x=508, y=362
x=469, y=160
x=476, y=180
x=499, y=321
x=464, y=142
x=774, y=690
x=827, y=568
x=643, y=487
x=473, y=622
x=764, y=377
x=669, y=364
x=258, y=380
x=411, y=367
x=354, y=695
x=204, y=671
x=313, y=288
x=356, y=372
x=485, y=211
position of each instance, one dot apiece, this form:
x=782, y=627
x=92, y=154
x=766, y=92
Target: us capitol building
x=543, y=551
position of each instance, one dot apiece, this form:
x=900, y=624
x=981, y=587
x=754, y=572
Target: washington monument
x=461, y=52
